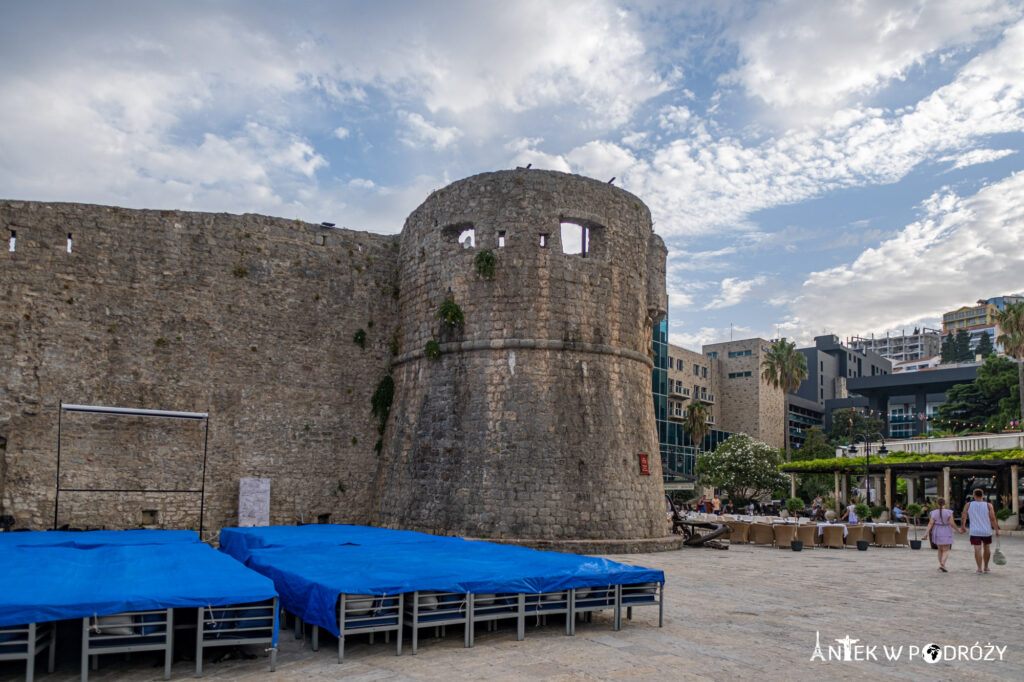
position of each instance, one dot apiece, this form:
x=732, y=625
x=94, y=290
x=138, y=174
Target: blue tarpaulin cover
x=44, y=583
x=312, y=565
x=97, y=538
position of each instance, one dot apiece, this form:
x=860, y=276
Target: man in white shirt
x=982, y=523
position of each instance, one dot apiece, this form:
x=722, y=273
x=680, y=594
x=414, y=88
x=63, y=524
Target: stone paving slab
x=747, y=612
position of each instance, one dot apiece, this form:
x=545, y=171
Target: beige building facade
x=727, y=377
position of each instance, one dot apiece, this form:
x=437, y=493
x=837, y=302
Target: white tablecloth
x=821, y=527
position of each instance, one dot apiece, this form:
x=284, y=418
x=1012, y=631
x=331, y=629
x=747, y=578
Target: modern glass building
x=678, y=454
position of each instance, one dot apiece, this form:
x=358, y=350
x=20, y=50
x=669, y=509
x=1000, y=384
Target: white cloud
x=734, y=290
x=421, y=132
x=976, y=156
x=341, y=132
x=819, y=54
x=701, y=182
x=961, y=248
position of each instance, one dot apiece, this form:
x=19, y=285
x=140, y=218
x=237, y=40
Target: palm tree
x=1011, y=322
x=783, y=367
x=696, y=423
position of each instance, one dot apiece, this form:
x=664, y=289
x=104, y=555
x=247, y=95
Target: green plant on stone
x=450, y=313
x=432, y=350
x=485, y=262
x=877, y=511
x=359, y=338
x=393, y=344
x=380, y=402
x=1004, y=513
x=862, y=510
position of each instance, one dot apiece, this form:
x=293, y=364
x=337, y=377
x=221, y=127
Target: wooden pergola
x=1005, y=471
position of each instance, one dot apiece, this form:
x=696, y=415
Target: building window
x=739, y=375
x=713, y=354
x=704, y=372
x=696, y=370
x=739, y=353
x=501, y=240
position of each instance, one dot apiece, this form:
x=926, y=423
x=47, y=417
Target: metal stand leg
x=169, y=637
x=316, y=638
x=85, y=649
x=199, y=641
x=521, y=620
x=341, y=627
x=30, y=662
x=415, y=621
x=53, y=646
x=398, y=638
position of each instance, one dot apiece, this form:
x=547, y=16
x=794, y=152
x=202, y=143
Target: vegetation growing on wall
x=359, y=338
x=380, y=402
x=450, y=313
x=432, y=349
x=485, y=262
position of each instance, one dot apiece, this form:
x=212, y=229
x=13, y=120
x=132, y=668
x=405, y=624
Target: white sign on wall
x=253, y=502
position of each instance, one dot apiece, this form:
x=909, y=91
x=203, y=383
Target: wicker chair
x=855, y=533
x=784, y=534
x=885, y=536
x=738, y=532
x=761, y=534
x=903, y=535
x=807, y=534
x=832, y=536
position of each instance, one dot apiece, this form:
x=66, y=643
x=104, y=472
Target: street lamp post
x=866, y=439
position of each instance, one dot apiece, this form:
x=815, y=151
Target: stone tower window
x=544, y=241
x=10, y=244
x=581, y=238
x=69, y=242
x=575, y=239
x=460, y=233
x=501, y=239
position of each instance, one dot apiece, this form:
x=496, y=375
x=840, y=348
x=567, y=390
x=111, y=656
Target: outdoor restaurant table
x=821, y=527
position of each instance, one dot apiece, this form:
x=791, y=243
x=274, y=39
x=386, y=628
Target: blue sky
x=849, y=167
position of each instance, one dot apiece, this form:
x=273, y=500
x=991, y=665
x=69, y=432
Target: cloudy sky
x=843, y=167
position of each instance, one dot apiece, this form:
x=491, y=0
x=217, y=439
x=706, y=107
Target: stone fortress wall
x=529, y=425
x=530, y=422
x=246, y=317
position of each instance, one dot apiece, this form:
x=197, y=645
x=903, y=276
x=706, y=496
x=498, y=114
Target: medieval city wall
x=246, y=317
x=529, y=425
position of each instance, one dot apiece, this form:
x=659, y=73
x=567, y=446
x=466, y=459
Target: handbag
x=998, y=558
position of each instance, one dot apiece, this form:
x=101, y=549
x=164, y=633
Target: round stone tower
x=533, y=421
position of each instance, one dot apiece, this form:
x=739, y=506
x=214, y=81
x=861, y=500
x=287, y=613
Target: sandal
x=943, y=569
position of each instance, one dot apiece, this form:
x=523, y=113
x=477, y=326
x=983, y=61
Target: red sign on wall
x=645, y=468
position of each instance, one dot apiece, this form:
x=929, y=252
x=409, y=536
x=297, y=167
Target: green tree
x=849, y=421
x=963, y=346
x=984, y=346
x=1011, y=322
x=783, y=367
x=948, y=349
x=990, y=399
x=815, y=446
x=696, y=423
x=743, y=467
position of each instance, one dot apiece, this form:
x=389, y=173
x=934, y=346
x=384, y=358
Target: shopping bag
x=997, y=556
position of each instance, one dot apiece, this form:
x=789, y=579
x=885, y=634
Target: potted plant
x=794, y=506
x=1007, y=520
x=914, y=511
x=862, y=511
x=879, y=514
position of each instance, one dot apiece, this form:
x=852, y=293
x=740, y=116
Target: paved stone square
x=749, y=612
